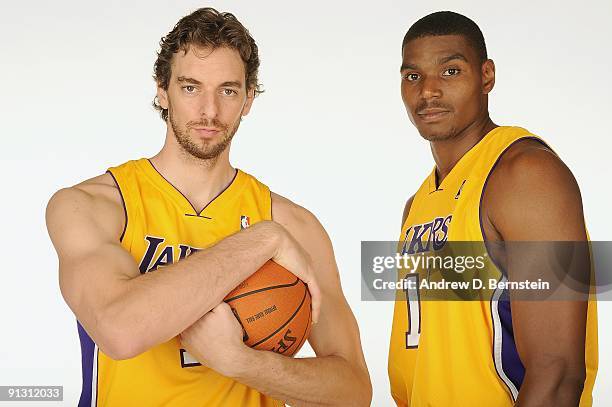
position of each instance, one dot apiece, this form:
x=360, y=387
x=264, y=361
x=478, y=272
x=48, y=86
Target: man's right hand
x=291, y=255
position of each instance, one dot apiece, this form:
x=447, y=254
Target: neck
x=199, y=180
x=447, y=153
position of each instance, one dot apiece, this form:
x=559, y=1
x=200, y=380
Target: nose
x=430, y=87
x=209, y=105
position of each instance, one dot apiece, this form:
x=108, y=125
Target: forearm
x=154, y=307
x=321, y=381
x=556, y=389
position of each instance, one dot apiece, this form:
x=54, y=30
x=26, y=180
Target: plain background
x=330, y=133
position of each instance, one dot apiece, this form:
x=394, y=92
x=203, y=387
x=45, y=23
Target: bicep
x=534, y=203
x=92, y=264
x=533, y=196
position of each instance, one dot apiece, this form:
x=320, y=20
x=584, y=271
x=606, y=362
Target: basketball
x=273, y=307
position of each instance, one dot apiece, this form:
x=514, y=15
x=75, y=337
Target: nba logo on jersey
x=245, y=222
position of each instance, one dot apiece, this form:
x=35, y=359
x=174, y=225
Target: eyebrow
x=232, y=84
x=185, y=79
x=452, y=57
x=189, y=80
x=407, y=66
x=440, y=61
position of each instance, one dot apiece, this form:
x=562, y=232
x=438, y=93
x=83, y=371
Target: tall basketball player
x=148, y=250
x=490, y=184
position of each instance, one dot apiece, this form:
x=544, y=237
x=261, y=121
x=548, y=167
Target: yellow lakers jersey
x=461, y=353
x=162, y=227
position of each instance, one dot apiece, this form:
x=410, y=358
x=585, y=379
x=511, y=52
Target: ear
x=249, y=102
x=488, y=76
x=162, y=97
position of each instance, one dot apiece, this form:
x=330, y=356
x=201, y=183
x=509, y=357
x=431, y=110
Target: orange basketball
x=273, y=307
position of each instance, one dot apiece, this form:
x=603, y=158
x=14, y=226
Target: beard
x=206, y=150
x=439, y=135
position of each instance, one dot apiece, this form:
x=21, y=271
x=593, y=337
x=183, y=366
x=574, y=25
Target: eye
x=451, y=72
x=229, y=92
x=411, y=77
x=189, y=88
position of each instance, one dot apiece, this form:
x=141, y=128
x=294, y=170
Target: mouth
x=432, y=115
x=206, y=132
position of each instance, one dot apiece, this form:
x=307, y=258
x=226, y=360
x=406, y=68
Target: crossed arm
x=127, y=313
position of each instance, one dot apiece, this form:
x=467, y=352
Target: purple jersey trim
x=511, y=362
x=87, y=359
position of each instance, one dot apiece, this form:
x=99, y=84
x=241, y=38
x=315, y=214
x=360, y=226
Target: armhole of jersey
x=125, y=212
x=270, y=193
x=405, y=220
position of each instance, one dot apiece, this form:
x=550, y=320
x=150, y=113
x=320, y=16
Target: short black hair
x=448, y=23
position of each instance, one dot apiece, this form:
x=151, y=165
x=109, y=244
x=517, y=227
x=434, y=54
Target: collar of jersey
x=462, y=163
x=231, y=191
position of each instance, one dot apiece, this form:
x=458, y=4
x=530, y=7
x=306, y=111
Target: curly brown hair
x=206, y=27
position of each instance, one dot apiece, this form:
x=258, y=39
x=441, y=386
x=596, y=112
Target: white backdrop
x=330, y=133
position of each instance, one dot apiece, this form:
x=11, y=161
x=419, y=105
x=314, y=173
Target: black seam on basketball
x=285, y=324
x=303, y=338
x=272, y=287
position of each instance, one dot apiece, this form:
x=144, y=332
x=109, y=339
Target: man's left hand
x=215, y=340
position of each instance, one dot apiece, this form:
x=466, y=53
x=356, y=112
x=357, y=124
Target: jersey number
x=414, y=311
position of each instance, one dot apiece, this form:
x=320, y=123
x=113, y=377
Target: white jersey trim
x=497, y=342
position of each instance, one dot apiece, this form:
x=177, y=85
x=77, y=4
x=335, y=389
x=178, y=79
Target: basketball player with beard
x=148, y=250
x=490, y=184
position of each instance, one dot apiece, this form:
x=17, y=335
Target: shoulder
x=101, y=189
x=531, y=185
x=97, y=199
x=294, y=217
x=532, y=157
x=305, y=228
x=529, y=167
